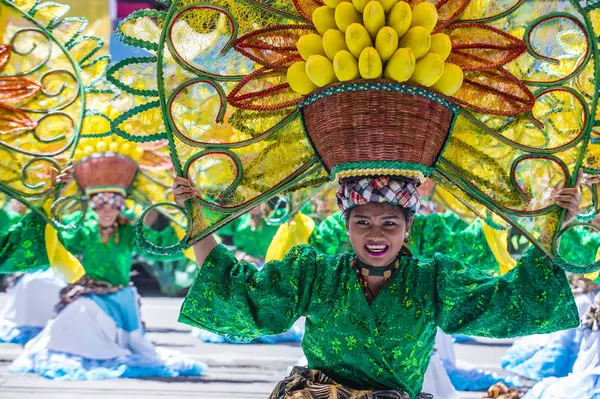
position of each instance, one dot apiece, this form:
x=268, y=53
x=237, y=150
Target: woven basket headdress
x=108, y=163
x=217, y=87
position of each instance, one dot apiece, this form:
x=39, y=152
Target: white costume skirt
x=101, y=337
x=30, y=306
x=293, y=335
x=464, y=376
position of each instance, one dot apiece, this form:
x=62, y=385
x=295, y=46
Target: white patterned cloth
x=380, y=189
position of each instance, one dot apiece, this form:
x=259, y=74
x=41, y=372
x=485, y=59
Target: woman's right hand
x=64, y=177
x=183, y=190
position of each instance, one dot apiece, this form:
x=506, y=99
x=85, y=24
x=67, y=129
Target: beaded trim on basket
x=378, y=86
x=381, y=168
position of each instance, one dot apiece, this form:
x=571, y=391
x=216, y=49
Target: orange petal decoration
x=13, y=120
x=477, y=46
x=264, y=90
x=273, y=47
x=153, y=145
x=5, y=50
x=449, y=11
x=496, y=92
x=16, y=88
x=306, y=7
x=153, y=161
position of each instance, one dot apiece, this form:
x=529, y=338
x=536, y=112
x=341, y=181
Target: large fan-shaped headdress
x=258, y=91
x=52, y=86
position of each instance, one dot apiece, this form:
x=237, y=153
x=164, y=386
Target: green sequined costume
x=108, y=262
x=580, y=245
x=392, y=338
x=8, y=218
x=23, y=249
x=21, y=246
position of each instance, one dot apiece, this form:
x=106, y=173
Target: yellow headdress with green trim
x=52, y=88
x=281, y=95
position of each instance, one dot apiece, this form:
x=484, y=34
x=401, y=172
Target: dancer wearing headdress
x=51, y=85
x=287, y=105
x=97, y=332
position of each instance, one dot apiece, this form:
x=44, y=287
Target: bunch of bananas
x=371, y=39
x=115, y=144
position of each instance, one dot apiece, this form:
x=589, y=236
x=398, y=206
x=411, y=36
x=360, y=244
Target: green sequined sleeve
x=445, y=234
x=74, y=240
x=533, y=298
x=22, y=247
x=330, y=236
x=235, y=299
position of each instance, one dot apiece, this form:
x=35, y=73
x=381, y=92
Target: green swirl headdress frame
x=52, y=86
x=215, y=85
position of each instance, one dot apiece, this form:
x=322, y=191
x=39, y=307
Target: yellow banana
x=345, y=66
x=320, y=70
x=357, y=39
x=369, y=64
x=386, y=42
x=299, y=80
x=401, y=66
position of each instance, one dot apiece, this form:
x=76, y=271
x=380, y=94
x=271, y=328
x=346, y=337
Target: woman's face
x=377, y=232
x=107, y=214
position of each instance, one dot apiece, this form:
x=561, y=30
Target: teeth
x=376, y=248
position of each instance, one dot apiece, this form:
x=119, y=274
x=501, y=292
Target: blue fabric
x=18, y=335
x=459, y=338
x=291, y=336
x=121, y=307
x=119, y=51
x=576, y=386
x=64, y=366
x=535, y=358
x=473, y=379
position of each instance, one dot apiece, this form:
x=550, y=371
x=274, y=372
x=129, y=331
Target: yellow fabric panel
x=448, y=201
x=595, y=275
x=64, y=264
x=498, y=242
x=295, y=232
x=189, y=253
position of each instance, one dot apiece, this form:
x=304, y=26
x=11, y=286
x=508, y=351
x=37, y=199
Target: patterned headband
x=107, y=198
x=379, y=189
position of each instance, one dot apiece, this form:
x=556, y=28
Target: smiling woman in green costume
x=351, y=301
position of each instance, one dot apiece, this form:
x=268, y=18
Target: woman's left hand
x=569, y=198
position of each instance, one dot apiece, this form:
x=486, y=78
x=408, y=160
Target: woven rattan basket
x=105, y=170
x=377, y=123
